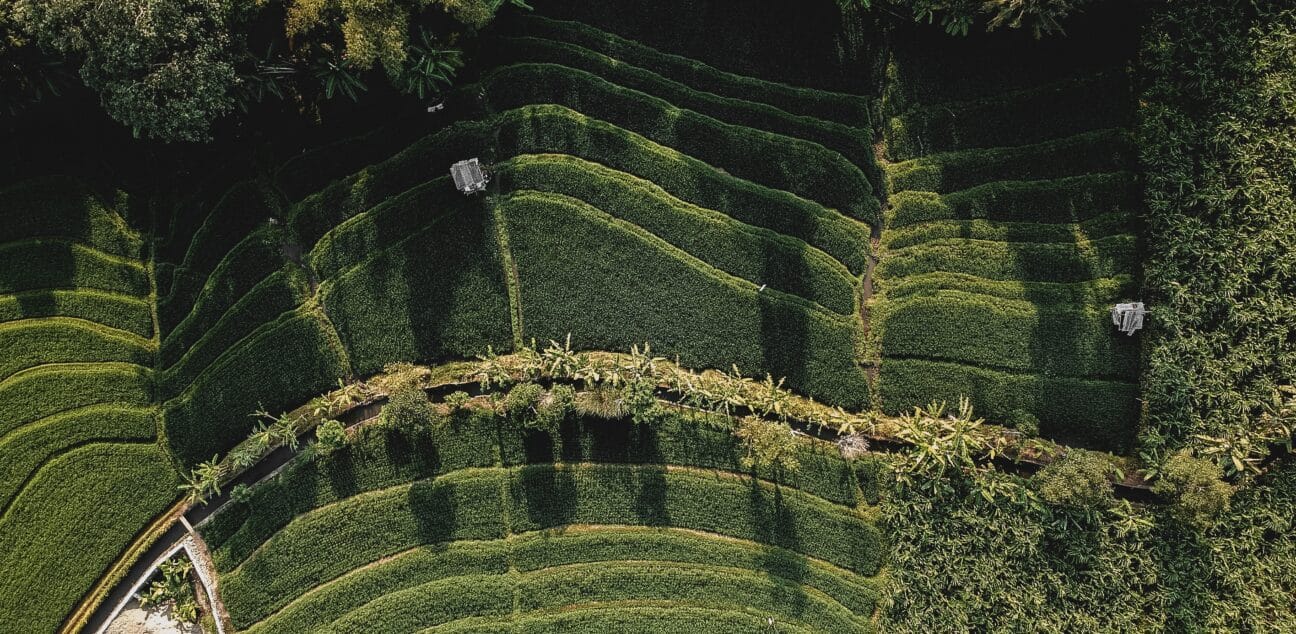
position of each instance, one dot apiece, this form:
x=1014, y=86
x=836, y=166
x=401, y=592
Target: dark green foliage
x=1085, y=412
x=429, y=295
x=1218, y=141
x=1069, y=199
x=572, y=258
x=64, y=207
x=317, y=169
x=556, y=129
x=43, y=391
x=1026, y=261
x=1015, y=563
x=757, y=255
x=67, y=265
x=1079, y=233
x=851, y=142
x=1097, y=151
x=801, y=167
x=71, y=522
x=1016, y=118
x=110, y=309
x=1024, y=422
x=212, y=328
x=286, y=362
x=1053, y=340
x=850, y=110
x=31, y=342
x=23, y=453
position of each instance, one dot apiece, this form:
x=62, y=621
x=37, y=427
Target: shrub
x=554, y=407
x=330, y=436
x=408, y=409
x=457, y=400
x=769, y=445
x=1080, y=480
x=522, y=401
x=1024, y=422
x=1197, y=488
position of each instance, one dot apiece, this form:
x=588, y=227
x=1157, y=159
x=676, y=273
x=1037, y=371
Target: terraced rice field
x=637, y=197
x=1012, y=229
x=80, y=469
x=486, y=526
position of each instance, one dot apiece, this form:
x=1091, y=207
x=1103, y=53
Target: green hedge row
x=481, y=440
x=206, y=333
x=556, y=129
x=238, y=213
x=1025, y=261
x=67, y=265
x=71, y=522
x=1070, y=199
x=1097, y=151
x=64, y=207
x=32, y=342
x=1027, y=116
x=122, y=312
x=801, y=167
x=1091, y=229
x=850, y=110
x=757, y=255
x=1088, y=413
x=1074, y=341
x=43, y=391
x=424, y=160
x=610, y=284
x=369, y=232
x=279, y=366
x=852, y=143
x=1098, y=292
x=23, y=453
x=196, y=302
x=431, y=295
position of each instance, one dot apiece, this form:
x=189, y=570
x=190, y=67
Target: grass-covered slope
x=77, y=422
x=486, y=524
x=1011, y=231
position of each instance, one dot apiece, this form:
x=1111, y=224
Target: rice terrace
x=688, y=316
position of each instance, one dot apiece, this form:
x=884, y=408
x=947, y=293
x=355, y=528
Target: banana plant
x=429, y=67
x=338, y=77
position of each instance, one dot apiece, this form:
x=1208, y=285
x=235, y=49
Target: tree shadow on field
x=775, y=527
x=432, y=505
x=552, y=497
